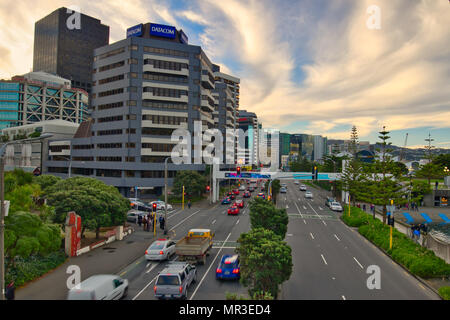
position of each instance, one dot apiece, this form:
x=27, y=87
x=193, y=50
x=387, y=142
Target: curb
x=101, y=243
x=355, y=229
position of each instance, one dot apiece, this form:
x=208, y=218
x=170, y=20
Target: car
x=228, y=268
x=233, y=210
x=283, y=185
x=226, y=201
x=139, y=205
x=247, y=194
x=161, y=249
x=230, y=193
x=160, y=205
x=236, y=191
x=239, y=204
x=283, y=190
x=242, y=188
x=308, y=195
x=232, y=197
x=261, y=195
x=100, y=287
x=251, y=189
x=329, y=201
x=296, y=182
x=302, y=187
x=133, y=215
x=173, y=282
x=336, y=206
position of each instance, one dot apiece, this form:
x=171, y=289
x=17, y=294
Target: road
x=331, y=260
x=142, y=274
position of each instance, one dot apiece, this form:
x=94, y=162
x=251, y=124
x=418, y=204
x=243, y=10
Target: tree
x=98, y=204
x=443, y=160
x=419, y=189
x=430, y=171
x=45, y=181
x=301, y=165
x=264, y=214
x=383, y=186
x=266, y=261
x=354, y=143
x=193, y=182
x=26, y=235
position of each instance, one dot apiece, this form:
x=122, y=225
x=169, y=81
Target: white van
x=100, y=287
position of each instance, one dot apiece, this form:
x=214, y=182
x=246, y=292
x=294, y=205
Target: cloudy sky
x=310, y=66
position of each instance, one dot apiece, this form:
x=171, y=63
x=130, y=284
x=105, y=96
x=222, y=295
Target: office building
x=64, y=43
x=38, y=96
x=249, y=154
x=320, y=148
x=145, y=87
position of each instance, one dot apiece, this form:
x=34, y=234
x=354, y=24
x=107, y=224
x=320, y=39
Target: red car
x=239, y=204
x=236, y=191
x=233, y=210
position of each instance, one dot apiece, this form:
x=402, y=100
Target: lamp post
x=165, y=194
x=2, y=207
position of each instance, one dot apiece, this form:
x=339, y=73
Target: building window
x=110, y=54
x=109, y=173
x=109, y=159
x=112, y=66
x=110, y=92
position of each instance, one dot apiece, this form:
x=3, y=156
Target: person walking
x=161, y=222
x=139, y=220
x=150, y=222
x=364, y=207
x=10, y=291
x=144, y=222
x=189, y=204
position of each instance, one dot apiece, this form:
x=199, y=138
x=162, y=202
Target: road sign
x=6, y=204
x=37, y=171
x=390, y=209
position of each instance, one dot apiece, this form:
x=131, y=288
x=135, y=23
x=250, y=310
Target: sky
x=312, y=66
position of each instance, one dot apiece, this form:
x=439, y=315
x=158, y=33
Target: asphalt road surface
x=331, y=260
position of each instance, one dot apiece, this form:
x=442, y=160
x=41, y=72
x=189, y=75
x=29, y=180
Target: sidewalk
x=109, y=259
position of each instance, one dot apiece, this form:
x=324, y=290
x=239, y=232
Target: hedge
x=445, y=292
x=32, y=267
x=418, y=260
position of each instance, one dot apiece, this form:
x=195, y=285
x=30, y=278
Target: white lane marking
x=343, y=298
x=324, y=222
x=237, y=221
x=358, y=263
x=287, y=207
x=213, y=222
x=304, y=221
x=323, y=258
x=337, y=238
x=298, y=210
x=311, y=235
x=148, y=264
x=320, y=208
x=304, y=207
x=184, y=220
x=151, y=268
x=317, y=214
x=148, y=284
x=207, y=271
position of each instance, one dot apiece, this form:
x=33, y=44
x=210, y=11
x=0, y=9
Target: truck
x=195, y=246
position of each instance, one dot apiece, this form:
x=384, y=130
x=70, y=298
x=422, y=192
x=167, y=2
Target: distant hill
x=412, y=154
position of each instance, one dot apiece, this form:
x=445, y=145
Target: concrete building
x=144, y=88
x=64, y=43
x=320, y=148
x=39, y=96
x=249, y=155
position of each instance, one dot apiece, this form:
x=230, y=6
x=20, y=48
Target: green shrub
x=32, y=267
x=418, y=260
x=445, y=292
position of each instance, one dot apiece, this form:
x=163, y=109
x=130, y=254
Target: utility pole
x=165, y=195
x=2, y=230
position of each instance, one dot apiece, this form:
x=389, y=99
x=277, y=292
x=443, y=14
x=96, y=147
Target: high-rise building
x=145, y=87
x=38, y=96
x=64, y=43
x=320, y=148
x=248, y=122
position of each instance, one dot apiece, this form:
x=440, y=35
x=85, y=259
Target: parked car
x=139, y=205
x=100, y=287
x=133, y=215
x=236, y=191
x=247, y=194
x=228, y=268
x=160, y=205
x=226, y=201
x=161, y=249
x=173, y=282
x=232, y=197
x=336, y=206
x=302, y=187
x=283, y=190
x=308, y=195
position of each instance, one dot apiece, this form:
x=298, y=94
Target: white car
x=302, y=187
x=308, y=195
x=296, y=182
x=335, y=206
x=100, y=287
x=160, y=250
x=242, y=188
x=160, y=205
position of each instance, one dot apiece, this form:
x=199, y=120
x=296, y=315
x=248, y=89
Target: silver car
x=100, y=287
x=160, y=250
x=308, y=195
x=160, y=205
x=336, y=206
x=302, y=187
x=173, y=282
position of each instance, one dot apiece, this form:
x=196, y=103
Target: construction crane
x=402, y=151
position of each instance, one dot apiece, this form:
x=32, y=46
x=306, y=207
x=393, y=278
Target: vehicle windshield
x=335, y=204
x=157, y=246
x=166, y=280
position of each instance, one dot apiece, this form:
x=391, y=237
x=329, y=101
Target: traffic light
x=154, y=207
x=314, y=172
x=208, y=188
x=238, y=170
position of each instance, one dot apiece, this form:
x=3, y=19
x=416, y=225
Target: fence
x=440, y=248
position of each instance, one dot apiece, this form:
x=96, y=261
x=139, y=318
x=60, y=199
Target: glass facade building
x=67, y=49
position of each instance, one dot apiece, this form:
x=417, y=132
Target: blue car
x=226, y=201
x=228, y=268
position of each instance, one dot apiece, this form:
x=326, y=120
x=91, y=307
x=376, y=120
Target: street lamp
x=165, y=195
x=2, y=211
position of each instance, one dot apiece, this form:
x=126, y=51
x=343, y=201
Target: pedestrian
x=417, y=233
x=10, y=291
x=144, y=222
x=189, y=204
x=364, y=207
x=139, y=220
x=161, y=222
x=407, y=206
x=150, y=222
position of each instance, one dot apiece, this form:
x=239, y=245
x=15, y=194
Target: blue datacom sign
x=160, y=30
x=135, y=31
